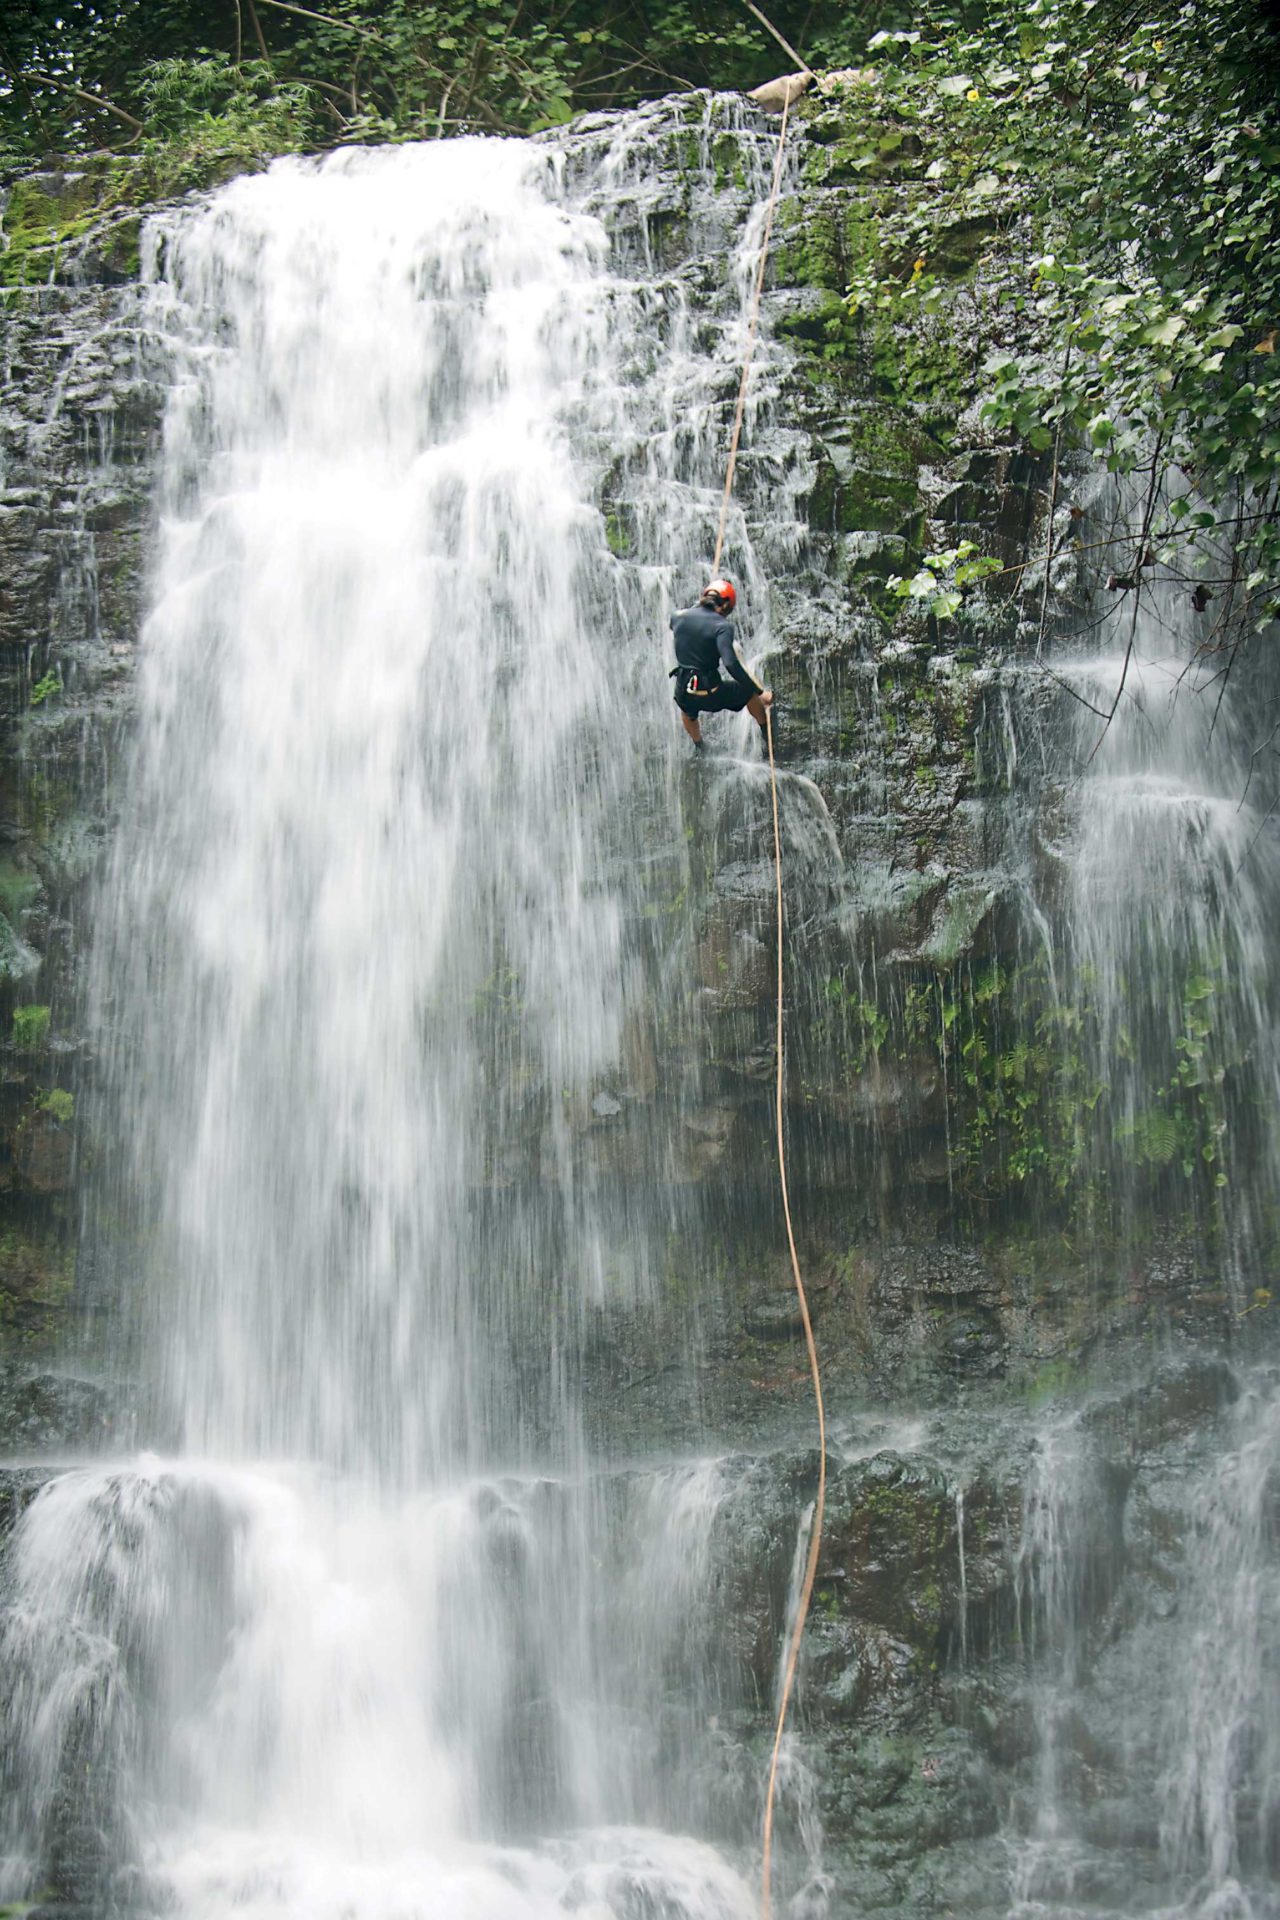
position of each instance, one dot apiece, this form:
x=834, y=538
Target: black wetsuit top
x=704, y=642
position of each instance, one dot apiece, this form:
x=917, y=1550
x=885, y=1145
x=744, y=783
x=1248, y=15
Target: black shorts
x=696, y=694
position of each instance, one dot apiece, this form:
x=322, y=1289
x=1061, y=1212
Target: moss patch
x=37, y=1279
x=45, y=213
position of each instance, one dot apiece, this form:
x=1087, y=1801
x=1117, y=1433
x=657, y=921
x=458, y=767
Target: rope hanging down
x=752, y=327
x=815, y=1529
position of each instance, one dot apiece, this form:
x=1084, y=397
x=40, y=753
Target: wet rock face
x=970, y=1566
x=908, y=811
x=79, y=425
x=996, y=1646
x=78, y=430
x=994, y=1689
x=56, y=1414
x=18, y=1488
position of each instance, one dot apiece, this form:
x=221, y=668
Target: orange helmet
x=722, y=590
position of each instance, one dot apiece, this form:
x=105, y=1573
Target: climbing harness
x=815, y=1524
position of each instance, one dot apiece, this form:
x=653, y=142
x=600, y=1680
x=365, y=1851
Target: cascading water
x=368, y=954
x=412, y=1048
x=1151, y=1781
x=1153, y=1743
x=1169, y=902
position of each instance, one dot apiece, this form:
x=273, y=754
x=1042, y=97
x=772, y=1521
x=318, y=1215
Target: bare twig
x=1053, y=507
x=1048, y=556
x=94, y=99
x=1258, y=835
x=369, y=33
x=258, y=34
x=1066, y=687
x=325, y=19
x=786, y=45
x=1254, y=758
x=1125, y=539
x=18, y=80
x=1143, y=537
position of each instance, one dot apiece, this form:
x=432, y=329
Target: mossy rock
x=44, y=213
x=18, y=961
x=962, y=917
x=962, y=245
x=890, y=1545
x=19, y=888
x=848, y=145
x=814, y=320
x=37, y=1279
x=808, y=250
x=49, y=1412
x=86, y=221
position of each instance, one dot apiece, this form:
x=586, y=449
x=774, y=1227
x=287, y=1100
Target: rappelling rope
x=815, y=1525
x=752, y=326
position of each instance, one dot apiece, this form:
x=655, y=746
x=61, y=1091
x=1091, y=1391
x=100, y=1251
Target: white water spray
x=364, y=961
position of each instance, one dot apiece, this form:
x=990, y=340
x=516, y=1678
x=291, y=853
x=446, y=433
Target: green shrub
x=30, y=1027
x=45, y=688
x=58, y=1104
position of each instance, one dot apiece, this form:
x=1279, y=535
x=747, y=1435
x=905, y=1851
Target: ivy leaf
x=976, y=569
x=1163, y=333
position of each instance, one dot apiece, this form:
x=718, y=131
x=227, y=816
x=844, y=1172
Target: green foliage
x=30, y=1027
x=37, y=1278
x=39, y=225
x=1028, y=1082
x=58, y=1104
x=1186, y=1124
x=207, y=113
x=75, y=76
x=1035, y=1103
x=869, y=1025
x=1141, y=153
x=941, y=580
x=46, y=687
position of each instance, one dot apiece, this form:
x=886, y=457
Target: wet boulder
x=891, y=1544
x=50, y=1413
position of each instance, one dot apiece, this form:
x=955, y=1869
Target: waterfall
x=1169, y=898
x=1156, y=1731
x=427, y=1125
x=371, y=980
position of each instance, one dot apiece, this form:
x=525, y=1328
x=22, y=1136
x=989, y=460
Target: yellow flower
x=973, y=94
x=918, y=268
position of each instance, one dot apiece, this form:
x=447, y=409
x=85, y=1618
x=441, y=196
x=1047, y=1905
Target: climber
x=704, y=654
